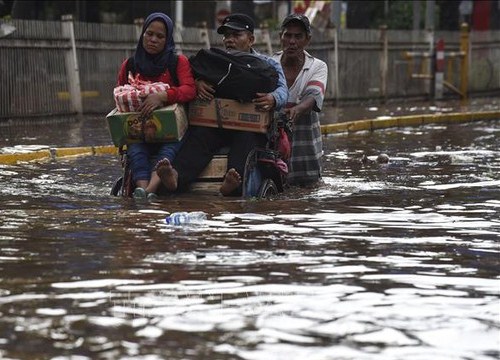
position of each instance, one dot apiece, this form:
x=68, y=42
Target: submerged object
x=186, y=218
x=382, y=159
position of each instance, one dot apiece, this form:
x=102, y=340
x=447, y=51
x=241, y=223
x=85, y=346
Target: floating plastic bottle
x=186, y=218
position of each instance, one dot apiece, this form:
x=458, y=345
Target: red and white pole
x=439, y=70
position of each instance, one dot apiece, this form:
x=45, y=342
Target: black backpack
x=235, y=75
x=172, y=68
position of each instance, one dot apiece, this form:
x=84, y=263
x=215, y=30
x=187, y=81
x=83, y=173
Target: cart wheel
x=267, y=189
x=117, y=186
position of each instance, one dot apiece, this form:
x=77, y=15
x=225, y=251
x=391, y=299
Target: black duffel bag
x=235, y=75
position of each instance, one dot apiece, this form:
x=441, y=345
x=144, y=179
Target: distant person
x=306, y=78
x=202, y=143
x=153, y=58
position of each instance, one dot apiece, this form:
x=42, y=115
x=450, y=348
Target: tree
x=449, y=14
x=364, y=14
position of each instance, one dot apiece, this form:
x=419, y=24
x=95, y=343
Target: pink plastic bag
x=284, y=146
x=128, y=98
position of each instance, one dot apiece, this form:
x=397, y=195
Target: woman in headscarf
x=155, y=60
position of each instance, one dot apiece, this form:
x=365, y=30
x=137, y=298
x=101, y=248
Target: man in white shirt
x=306, y=78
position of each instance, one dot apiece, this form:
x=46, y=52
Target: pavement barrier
x=343, y=127
x=386, y=122
x=65, y=95
x=54, y=153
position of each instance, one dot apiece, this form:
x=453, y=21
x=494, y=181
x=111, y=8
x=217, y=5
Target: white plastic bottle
x=186, y=218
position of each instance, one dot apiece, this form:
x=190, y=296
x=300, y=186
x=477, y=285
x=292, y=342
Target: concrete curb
x=349, y=127
x=54, y=153
x=410, y=120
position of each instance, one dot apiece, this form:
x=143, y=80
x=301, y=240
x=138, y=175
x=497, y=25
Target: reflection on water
x=382, y=261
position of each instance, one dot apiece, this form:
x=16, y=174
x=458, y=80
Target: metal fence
x=55, y=67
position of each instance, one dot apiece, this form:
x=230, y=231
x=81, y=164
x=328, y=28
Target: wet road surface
x=389, y=261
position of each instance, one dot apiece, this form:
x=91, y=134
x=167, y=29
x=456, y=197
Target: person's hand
x=305, y=106
x=292, y=113
x=264, y=101
x=205, y=90
x=150, y=103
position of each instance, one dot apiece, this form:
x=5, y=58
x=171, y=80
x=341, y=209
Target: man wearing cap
x=237, y=31
x=202, y=143
x=306, y=78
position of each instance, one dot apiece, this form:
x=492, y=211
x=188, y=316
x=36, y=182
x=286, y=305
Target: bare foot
x=168, y=175
x=231, y=182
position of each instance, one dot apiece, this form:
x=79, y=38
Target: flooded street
x=381, y=261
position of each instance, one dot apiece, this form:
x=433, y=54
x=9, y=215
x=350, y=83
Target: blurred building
x=357, y=14
x=125, y=11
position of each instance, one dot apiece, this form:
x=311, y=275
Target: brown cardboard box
x=228, y=114
x=167, y=124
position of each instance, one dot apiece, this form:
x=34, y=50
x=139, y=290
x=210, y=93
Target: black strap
x=172, y=68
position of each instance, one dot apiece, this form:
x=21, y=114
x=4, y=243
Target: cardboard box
x=228, y=114
x=167, y=124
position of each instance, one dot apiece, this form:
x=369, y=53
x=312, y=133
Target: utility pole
x=430, y=6
x=179, y=14
x=417, y=5
x=336, y=10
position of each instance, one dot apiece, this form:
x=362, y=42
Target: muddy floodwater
x=380, y=261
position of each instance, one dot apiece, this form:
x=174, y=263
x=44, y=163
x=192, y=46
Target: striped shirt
x=307, y=144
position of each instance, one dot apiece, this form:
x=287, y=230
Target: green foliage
x=273, y=24
x=371, y=14
x=400, y=15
